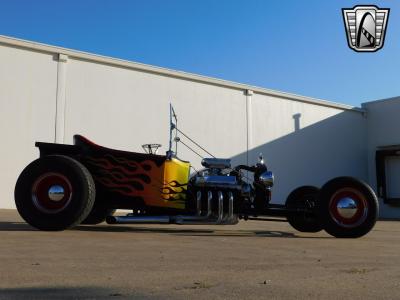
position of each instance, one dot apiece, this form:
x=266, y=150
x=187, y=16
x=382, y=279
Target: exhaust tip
x=111, y=220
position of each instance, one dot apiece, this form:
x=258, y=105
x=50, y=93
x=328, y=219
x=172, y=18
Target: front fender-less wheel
x=348, y=207
x=54, y=192
x=304, y=197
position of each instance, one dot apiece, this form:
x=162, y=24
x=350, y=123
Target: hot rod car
x=85, y=183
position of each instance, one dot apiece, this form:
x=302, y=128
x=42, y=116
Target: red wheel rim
x=51, y=192
x=348, y=207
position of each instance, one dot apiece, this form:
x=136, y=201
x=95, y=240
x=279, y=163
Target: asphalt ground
x=251, y=260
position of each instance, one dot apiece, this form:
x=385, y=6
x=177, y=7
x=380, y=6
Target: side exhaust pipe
x=138, y=220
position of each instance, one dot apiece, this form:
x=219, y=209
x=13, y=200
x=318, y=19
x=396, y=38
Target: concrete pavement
x=251, y=260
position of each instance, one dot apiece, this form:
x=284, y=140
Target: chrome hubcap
x=51, y=192
x=56, y=193
x=347, y=207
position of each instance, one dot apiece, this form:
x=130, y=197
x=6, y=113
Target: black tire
x=348, y=207
x=98, y=213
x=304, y=197
x=54, y=211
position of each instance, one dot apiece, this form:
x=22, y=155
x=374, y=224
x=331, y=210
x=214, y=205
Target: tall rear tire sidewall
x=358, y=228
x=81, y=197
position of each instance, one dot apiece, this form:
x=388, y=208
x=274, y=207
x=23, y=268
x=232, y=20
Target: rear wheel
x=54, y=192
x=302, y=198
x=348, y=207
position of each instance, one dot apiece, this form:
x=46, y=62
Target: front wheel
x=305, y=199
x=348, y=207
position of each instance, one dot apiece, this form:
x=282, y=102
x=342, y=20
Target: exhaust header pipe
x=219, y=218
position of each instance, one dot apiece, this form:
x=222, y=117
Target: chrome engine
x=216, y=193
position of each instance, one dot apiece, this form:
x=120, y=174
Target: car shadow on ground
x=57, y=292
x=220, y=232
x=16, y=226
x=194, y=232
x=186, y=231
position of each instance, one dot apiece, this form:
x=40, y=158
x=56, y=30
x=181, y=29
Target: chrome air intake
x=216, y=163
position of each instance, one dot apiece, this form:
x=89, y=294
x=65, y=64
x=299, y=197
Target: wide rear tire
x=348, y=207
x=304, y=197
x=54, y=192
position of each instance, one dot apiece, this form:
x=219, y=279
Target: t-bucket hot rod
x=85, y=183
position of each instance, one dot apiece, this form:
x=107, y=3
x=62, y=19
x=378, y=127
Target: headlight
x=267, y=178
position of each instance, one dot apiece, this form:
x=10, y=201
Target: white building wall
x=124, y=105
x=28, y=82
x=383, y=128
x=306, y=144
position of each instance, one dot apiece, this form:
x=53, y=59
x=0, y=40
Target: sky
x=292, y=46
